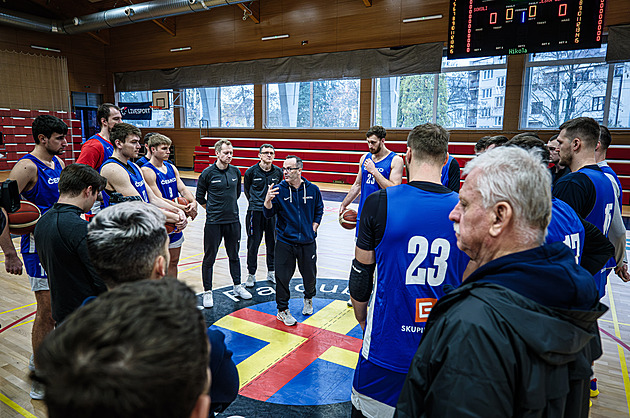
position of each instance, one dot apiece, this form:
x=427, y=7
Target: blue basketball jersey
x=108, y=148
x=444, y=179
x=414, y=260
x=612, y=176
x=368, y=182
x=44, y=194
x=601, y=214
x=136, y=180
x=565, y=226
x=142, y=161
x=167, y=183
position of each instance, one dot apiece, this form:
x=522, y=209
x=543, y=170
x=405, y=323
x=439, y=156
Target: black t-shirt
x=578, y=191
x=374, y=214
x=256, y=182
x=219, y=190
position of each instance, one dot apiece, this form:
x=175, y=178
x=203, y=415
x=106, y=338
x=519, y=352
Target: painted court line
x=15, y=406
x=622, y=357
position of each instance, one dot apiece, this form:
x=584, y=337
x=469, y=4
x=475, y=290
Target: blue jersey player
x=378, y=169
x=98, y=148
x=414, y=261
x=37, y=175
x=587, y=189
x=163, y=178
x=125, y=177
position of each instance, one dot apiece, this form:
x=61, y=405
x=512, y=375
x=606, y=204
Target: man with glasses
x=256, y=181
x=300, y=208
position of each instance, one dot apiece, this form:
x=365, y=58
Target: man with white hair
x=515, y=338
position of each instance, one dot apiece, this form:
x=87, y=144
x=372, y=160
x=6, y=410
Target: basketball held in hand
x=25, y=219
x=348, y=219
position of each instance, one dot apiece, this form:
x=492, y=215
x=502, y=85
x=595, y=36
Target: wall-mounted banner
x=136, y=110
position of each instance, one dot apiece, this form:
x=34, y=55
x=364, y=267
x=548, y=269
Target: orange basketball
x=24, y=220
x=181, y=200
x=348, y=219
x=169, y=227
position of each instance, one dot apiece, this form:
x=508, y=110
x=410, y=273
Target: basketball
x=181, y=200
x=348, y=219
x=24, y=220
x=169, y=227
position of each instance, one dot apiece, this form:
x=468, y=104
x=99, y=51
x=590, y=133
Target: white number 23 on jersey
x=433, y=276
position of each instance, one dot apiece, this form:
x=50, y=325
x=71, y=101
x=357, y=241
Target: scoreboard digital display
x=481, y=28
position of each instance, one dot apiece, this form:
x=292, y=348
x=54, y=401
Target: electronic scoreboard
x=479, y=28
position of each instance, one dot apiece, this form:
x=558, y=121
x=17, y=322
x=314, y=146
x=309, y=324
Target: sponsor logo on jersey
x=168, y=181
x=53, y=180
x=423, y=308
x=139, y=183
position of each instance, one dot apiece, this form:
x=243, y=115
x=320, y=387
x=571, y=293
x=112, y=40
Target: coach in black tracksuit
x=255, y=184
x=299, y=206
x=221, y=183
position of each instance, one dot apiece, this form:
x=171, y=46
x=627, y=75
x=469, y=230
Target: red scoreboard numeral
x=562, y=10
x=493, y=18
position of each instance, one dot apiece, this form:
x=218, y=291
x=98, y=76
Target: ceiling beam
x=98, y=37
x=368, y=3
x=252, y=10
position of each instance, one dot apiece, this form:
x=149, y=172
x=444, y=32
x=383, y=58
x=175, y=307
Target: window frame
x=208, y=126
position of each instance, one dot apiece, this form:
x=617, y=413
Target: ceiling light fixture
x=45, y=48
x=269, y=38
x=419, y=19
x=184, y=48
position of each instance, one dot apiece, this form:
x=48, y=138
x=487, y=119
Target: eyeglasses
x=290, y=168
x=267, y=153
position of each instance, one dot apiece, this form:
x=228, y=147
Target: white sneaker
x=271, y=276
x=308, y=307
x=251, y=279
x=208, y=302
x=349, y=303
x=241, y=292
x=286, y=317
x=37, y=391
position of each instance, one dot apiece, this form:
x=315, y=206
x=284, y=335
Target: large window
x=220, y=107
x=567, y=84
x=159, y=118
x=314, y=104
x=469, y=93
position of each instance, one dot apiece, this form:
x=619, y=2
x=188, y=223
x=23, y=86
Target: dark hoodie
x=514, y=340
x=297, y=210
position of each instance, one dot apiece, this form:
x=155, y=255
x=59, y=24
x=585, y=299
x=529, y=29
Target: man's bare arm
x=12, y=262
x=355, y=190
x=395, y=175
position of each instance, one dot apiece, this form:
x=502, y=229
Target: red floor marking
x=277, y=376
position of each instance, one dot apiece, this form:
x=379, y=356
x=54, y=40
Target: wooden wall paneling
x=424, y=31
x=365, y=104
x=513, y=92
x=363, y=27
x=259, y=107
x=617, y=12
x=309, y=22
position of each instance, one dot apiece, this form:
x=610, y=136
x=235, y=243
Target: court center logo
x=307, y=365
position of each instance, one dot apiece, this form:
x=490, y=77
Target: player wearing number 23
x=406, y=233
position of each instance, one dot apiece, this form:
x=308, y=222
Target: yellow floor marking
x=612, y=322
x=334, y=317
x=341, y=357
x=23, y=323
x=280, y=344
x=622, y=357
x=18, y=308
x=16, y=407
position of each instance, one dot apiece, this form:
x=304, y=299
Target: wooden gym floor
x=335, y=252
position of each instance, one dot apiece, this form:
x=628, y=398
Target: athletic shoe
x=31, y=363
x=251, y=278
x=349, y=303
x=271, y=276
x=286, y=317
x=308, y=307
x=37, y=391
x=594, y=391
x=240, y=291
x=208, y=302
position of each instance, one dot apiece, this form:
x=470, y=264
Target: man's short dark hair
x=104, y=111
x=553, y=137
x=525, y=134
x=121, y=131
x=377, y=130
x=48, y=125
x=604, y=137
x=429, y=142
x=140, y=350
x=77, y=177
x=527, y=141
x=497, y=140
x=124, y=241
x=587, y=129
x=298, y=161
x=147, y=136
x=265, y=146
x=482, y=144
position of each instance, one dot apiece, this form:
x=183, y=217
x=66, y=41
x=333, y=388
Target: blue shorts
x=35, y=271
x=375, y=390
x=175, y=240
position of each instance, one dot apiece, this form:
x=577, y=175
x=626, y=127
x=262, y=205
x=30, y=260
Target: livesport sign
x=136, y=110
